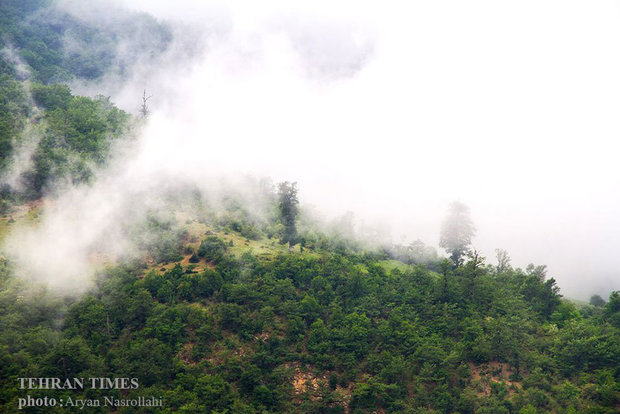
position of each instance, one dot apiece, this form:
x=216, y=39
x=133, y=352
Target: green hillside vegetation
x=43, y=46
x=252, y=326
x=72, y=135
x=58, y=47
x=14, y=110
x=237, y=307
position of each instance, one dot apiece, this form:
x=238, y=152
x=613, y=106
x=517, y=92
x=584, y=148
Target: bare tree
x=144, y=110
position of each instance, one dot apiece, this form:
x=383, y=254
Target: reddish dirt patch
x=201, y=266
x=497, y=372
x=305, y=382
x=185, y=354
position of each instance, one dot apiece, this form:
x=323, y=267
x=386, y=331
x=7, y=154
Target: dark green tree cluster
x=288, y=205
x=67, y=137
x=332, y=328
x=77, y=135
x=159, y=238
x=58, y=47
x=323, y=331
x=14, y=110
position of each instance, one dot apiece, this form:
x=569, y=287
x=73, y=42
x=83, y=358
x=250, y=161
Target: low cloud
x=391, y=112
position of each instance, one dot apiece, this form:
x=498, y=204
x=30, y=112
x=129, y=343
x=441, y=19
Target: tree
x=542, y=294
x=473, y=269
x=144, y=109
x=611, y=312
x=416, y=252
x=212, y=249
x=597, y=300
x=445, y=269
x=457, y=231
x=503, y=260
x=288, y=204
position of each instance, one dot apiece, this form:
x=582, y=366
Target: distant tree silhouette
x=288, y=205
x=457, y=231
x=597, y=300
x=144, y=109
x=503, y=260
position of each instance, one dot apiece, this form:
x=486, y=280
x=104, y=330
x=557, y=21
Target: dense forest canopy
x=57, y=46
x=215, y=321
x=224, y=310
x=67, y=136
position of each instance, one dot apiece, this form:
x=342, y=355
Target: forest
x=228, y=311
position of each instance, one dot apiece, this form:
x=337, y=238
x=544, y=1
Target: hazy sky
x=394, y=109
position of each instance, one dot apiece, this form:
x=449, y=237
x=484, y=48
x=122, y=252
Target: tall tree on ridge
x=288, y=204
x=457, y=230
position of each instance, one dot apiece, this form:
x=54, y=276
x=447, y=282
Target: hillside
x=252, y=326
x=222, y=302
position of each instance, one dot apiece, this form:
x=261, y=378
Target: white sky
x=512, y=107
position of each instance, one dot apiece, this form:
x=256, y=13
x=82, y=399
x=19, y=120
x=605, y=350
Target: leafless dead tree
x=144, y=110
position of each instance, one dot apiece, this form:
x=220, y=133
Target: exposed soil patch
x=483, y=375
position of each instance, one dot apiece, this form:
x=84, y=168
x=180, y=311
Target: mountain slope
x=254, y=327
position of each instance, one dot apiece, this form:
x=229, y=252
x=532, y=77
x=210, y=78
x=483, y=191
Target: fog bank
x=390, y=112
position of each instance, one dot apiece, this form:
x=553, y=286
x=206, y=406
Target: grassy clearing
x=389, y=265
x=27, y=214
x=579, y=304
x=4, y=228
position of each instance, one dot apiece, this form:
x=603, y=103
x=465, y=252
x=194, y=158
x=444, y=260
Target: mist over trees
x=58, y=46
x=597, y=300
x=250, y=326
x=503, y=260
x=14, y=109
x=209, y=306
x=457, y=231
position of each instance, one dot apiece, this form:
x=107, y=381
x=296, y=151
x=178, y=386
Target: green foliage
x=457, y=230
x=58, y=47
x=158, y=236
x=596, y=300
x=52, y=97
x=231, y=340
x=76, y=133
x=13, y=111
x=212, y=249
x=564, y=312
x=612, y=309
x=288, y=205
x=332, y=328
